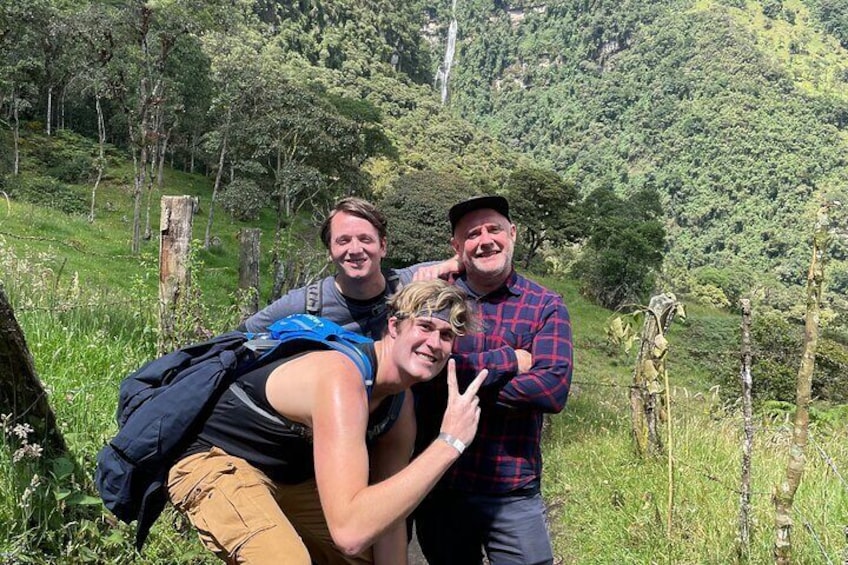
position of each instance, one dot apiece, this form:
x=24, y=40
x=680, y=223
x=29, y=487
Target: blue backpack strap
x=329, y=334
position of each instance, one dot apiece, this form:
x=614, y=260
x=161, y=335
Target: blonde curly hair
x=436, y=299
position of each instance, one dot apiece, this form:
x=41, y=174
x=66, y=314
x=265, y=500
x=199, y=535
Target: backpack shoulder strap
x=393, y=284
x=295, y=333
x=314, y=297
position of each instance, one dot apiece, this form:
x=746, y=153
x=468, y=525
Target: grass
x=608, y=506
x=88, y=311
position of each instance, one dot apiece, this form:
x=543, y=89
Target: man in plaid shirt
x=491, y=498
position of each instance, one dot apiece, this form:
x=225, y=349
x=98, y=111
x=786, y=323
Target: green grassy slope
x=608, y=506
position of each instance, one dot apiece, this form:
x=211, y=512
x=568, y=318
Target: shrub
x=772, y=8
x=711, y=295
x=829, y=382
x=66, y=156
x=777, y=347
x=243, y=199
x=732, y=282
x=46, y=191
x=76, y=168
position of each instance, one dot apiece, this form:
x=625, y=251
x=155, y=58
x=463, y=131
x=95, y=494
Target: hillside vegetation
x=717, y=127
x=88, y=312
x=735, y=111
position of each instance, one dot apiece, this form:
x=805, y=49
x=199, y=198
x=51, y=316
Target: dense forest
x=735, y=112
x=732, y=113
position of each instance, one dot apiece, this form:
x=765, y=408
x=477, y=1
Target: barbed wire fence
x=715, y=477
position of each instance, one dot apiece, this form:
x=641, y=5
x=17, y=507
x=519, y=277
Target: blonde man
x=324, y=475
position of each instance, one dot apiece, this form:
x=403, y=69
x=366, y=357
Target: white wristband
x=452, y=441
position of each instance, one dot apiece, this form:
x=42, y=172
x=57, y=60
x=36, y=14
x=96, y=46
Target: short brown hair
x=355, y=207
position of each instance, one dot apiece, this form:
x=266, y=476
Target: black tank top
x=279, y=448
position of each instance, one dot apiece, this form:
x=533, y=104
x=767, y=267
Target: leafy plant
x=243, y=199
x=46, y=191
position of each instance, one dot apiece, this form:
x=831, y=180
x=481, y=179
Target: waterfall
x=444, y=72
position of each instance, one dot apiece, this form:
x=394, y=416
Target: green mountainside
x=735, y=111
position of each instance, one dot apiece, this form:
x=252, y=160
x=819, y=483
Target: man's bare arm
x=358, y=513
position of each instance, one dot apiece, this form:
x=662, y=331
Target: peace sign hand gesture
x=463, y=410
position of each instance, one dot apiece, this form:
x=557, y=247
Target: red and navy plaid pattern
x=506, y=454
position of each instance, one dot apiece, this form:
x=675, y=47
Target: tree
x=545, y=207
x=21, y=26
x=834, y=17
x=149, y=33
x=235, y=76
x=22, y=394
x=624, y=248
x=416, y=207
x=784, y=493
x=93, y=46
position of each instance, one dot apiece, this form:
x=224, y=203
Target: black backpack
x=162, y=404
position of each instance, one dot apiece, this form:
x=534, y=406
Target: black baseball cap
x=497, y=203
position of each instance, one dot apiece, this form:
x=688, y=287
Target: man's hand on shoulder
x=447, y=270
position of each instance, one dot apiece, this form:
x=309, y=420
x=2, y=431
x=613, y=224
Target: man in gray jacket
x=355, y=297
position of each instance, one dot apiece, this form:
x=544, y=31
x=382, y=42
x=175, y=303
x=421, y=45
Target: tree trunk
x=163, y=151
x=154, y=165
x=101, y=153
x=49, y=110
x=175, y=228
x=139, y=154
x=248, y=280
x=21, y=393
x=191, y=153
x=217, y=186
x=147, y=232
x=16, y=133
x=748, y=445
x=61, y=124
x=650, y=365
x=784, y=494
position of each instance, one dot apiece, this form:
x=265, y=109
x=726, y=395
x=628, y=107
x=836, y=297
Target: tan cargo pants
x=245, y=518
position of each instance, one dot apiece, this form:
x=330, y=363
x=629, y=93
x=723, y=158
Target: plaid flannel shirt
x=505, y=455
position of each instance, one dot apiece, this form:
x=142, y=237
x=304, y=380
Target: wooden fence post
x=784, y=494
x=174, y=270
x=22, y=396
x=748, y=444
x=248, y=273
x=650, y=364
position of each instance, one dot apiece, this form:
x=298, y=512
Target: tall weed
x=83, y=342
